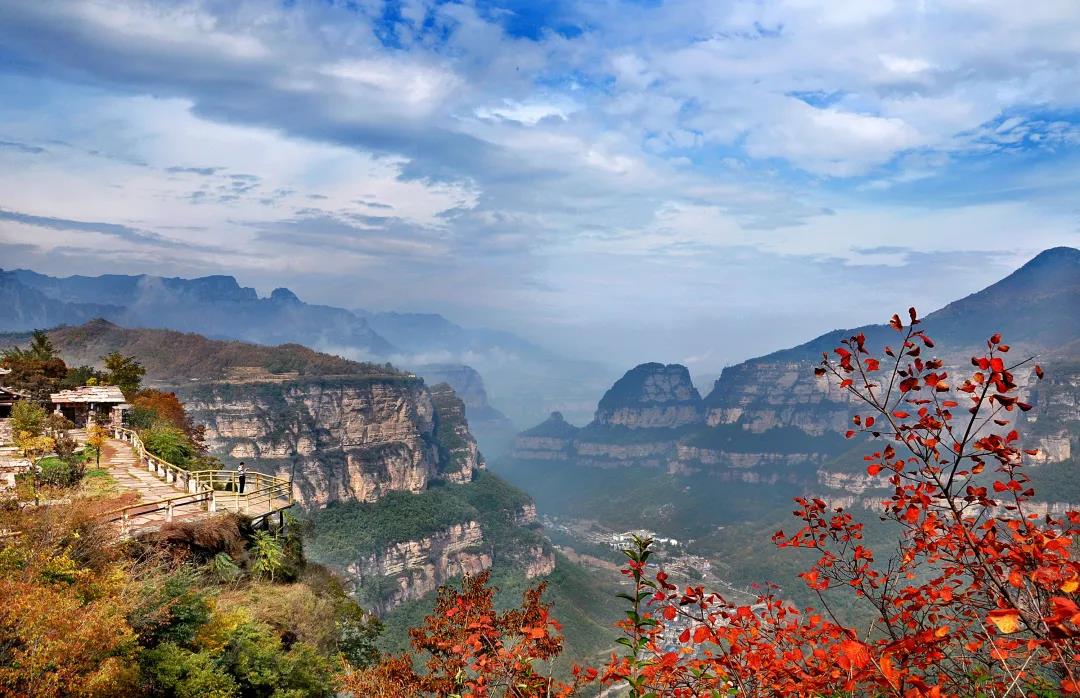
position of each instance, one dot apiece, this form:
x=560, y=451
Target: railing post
x=124, y=524
x=169, y=512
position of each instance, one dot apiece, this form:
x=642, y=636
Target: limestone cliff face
x=551, y=440
x=1054, y=425
x=414, y=568
x=651, y=454
x=341, y=439
x=407, y=570
x=763, y=394
x=459, y=456
x=651, y=395
x=691, y=456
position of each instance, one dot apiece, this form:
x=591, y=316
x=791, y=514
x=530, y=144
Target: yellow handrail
x=201, y=486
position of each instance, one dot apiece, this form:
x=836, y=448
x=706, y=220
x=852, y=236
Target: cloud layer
x=645, y=180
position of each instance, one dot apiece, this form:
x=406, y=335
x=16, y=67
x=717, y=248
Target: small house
x=103, y=404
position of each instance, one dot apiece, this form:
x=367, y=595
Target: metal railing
x=219, y=490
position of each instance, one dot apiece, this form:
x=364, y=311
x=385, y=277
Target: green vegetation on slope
x=343, y=531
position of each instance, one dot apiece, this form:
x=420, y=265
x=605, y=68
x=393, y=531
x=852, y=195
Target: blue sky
x=674, y=181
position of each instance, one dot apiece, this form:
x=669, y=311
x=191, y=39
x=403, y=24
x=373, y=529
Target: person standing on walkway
x=241, y=475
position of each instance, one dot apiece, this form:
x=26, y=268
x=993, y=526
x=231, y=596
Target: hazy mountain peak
x=283, y=295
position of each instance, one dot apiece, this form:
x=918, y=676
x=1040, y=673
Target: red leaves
x=853, y=655
x=1039, y=371
x=950, y=596
x=814, y=580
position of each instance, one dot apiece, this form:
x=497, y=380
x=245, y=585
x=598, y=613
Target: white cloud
x=666, y=157
x=830, y=141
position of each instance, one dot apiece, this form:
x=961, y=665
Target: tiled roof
x=89, y=393
x=12, y=391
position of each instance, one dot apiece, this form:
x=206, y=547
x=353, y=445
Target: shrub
x=169, y=444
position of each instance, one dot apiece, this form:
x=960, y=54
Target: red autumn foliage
x=979, y=596
x=472, y=650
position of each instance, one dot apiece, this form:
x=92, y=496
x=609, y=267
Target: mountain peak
x=1055, y=263
x=283, y=295
x=651, y=395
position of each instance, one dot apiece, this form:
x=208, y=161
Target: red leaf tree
x=978, y=597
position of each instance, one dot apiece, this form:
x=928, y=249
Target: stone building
x=104, y=404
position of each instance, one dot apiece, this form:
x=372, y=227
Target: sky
x=680, y=181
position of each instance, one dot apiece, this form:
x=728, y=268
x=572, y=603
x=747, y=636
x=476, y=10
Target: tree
x=153, y=406
x=472, y=650
x=125, y=372
x=81, y=375
x=28, y=428
x=168, y=443
x=978, y=597
x=35, y=371
x=41, y=349
x=96, y=436
x=267, y=553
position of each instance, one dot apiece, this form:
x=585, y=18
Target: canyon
x=346, y=433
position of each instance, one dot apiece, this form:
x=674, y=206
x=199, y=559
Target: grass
x=98, y=482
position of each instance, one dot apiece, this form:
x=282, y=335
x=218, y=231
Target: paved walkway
x=119, y=460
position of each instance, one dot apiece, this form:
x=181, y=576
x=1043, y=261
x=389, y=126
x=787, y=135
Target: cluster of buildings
x=621, y=540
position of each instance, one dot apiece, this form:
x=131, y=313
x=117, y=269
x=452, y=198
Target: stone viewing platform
x=168, y=493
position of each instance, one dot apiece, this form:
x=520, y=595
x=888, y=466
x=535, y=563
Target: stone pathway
x=120, y=461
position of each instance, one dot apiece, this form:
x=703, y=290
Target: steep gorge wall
x=342, y=439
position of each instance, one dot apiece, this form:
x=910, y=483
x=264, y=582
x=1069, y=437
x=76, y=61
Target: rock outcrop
x=408, y=570
x=651, y=396
x=459, y=457
x=341, y=439
x=552, y=439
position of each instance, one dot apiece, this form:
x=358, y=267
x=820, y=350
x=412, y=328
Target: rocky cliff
x=552, y=439
x=492, y=429
x=459, y=456
x=341, y=439
x=651, y=396
x=1036, y=308
x=408, y=570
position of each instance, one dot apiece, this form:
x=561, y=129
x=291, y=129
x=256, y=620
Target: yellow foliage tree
x=96, y=435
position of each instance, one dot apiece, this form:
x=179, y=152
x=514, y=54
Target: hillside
x=183, y=356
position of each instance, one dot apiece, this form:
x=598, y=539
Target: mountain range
x=526, y=380
x=770, y=420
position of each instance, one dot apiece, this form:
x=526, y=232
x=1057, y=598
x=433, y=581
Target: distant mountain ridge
x=1036, y=308
x=525, y=380
x=770, y=419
